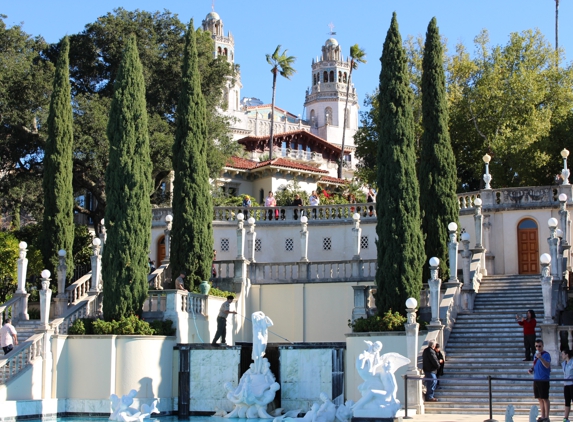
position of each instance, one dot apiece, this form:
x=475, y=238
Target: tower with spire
x=325, y=100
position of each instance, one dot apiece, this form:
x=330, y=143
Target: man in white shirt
x=8, y=336
x=224, y=312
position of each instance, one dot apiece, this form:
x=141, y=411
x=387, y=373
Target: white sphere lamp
x=434, y=262
x=545, y=259
x=411, y=303
x=46, y=274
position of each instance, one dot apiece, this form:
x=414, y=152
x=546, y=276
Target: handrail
x=293, y=214
x=21, y=357
x=83, y=309
x=79, y=289
x=5, y=306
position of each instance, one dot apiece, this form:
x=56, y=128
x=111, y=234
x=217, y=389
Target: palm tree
x=281, y=63
x=356, y=56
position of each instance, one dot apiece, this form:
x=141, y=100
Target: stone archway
x=528, y=246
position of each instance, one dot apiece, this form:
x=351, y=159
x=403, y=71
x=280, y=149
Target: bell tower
x=324, y=102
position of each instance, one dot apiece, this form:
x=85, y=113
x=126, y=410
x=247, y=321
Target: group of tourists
x=433, y=361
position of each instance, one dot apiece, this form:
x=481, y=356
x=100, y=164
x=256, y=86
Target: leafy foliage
x=437, y=174
x=387, y=322
x=400, y=244
x=58, y=223
x=128, y=188
x=8, y=261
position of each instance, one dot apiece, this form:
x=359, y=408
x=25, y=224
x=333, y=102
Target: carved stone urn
x=204, y=287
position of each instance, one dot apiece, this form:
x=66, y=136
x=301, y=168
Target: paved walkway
x=470, y=418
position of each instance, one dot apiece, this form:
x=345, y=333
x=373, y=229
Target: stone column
x=356, y=235
x=478, y=220
x=45, y=298
x=21, y=313
x=102, y=236
x=412, y=347
x=553, y=242
x=240, y=236
x=453, y=251
x=167, y=232
x=489, y=256
x=251, y=239
x=466, y=257
x=61, y=297
x=564, y=217
x=361, y=294
x=96, y=266
x=546, y=287
x=304, y=238
x=435, y=284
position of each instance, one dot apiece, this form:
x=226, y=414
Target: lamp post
x=553, y=242
x=564, y=217
x=412, y=335
x=565, y=171
x=466, y=255
x=546, y=286
x=167, y=232
x=45, y=296
x=357, y=234
x=453, y=251
x=304, y=238
x=435, y=283
x=102, y=235
x=478, y=220
x=22, y=267
x=487, y=177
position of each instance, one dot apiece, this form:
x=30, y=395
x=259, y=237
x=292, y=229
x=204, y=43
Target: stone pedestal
x=360, y=309
x=550, y=341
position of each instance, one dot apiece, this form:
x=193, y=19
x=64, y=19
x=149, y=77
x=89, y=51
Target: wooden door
x=528, y=247
x=160, y=251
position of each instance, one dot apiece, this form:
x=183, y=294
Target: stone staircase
x=25, y=330
x=490, y=342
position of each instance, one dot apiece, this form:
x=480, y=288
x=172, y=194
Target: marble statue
x=379, y=387
x=344, y=411
x=327, y=410
x=533, y=414
x=121, y=409
x=257, y=387
x=509, y=413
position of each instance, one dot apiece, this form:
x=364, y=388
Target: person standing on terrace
x=8, y=336
x=528, y=325
x=271, y=202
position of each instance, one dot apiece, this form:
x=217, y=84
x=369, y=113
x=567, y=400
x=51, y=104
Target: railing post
x=466, y=257
x=22, y=314
x=96, y=266
x=304, y=238
x=240, y=236
x=478, y=221
x=435, y=284
x=61, y=297
x=453, y=251
x=553, y=242
x=45, y=297
x=357, y=234
x=491, y=419
x=102, y=236
x=251, y=240
x=413, y=392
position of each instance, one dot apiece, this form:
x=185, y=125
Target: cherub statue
x=121, y=410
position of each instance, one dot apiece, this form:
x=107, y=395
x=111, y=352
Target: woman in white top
x=313, y=201
x=567, y=366
x=271, y=202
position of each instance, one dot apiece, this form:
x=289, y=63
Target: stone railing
x=523, y=197
x=79, y=289
x=21, y=357
x=293, y=214
x=472, y=285
x=89, y=307
x=157, y=302
x=160, y=278
x=303, y=272
x=12, y=309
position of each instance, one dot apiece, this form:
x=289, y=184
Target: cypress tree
x=400, y=243
x=438, y=177
x=58, y=222
x=192, y=240
x=128, y=188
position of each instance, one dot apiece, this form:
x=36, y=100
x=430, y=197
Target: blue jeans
x=430, y=384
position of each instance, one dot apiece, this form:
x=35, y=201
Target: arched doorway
x=160, y=250
x=528, y=247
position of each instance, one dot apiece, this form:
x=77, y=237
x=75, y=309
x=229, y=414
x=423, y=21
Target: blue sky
x=258, y=26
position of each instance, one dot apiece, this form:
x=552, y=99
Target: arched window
x=219, y=51
x=344, y=78
x=312, y=118
x=331, y=76
x=339, y=76
x=314, y=79
x=328, y=115
x=225, y=52
x=325, y=77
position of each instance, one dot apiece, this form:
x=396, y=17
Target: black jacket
x=430, y=362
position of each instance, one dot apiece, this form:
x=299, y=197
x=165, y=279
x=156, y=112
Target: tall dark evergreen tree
x=128, y=188
x=58, y=223
x=192, y=240
x=400, y=243
x=438, y=178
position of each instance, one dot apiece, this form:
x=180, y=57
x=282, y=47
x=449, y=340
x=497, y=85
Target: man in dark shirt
x=430, y=365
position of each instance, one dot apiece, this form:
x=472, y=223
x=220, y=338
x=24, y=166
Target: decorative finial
x=213, y=5
x=331, y=26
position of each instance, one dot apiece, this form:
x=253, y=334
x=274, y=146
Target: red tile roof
x=329, y=179
x=279, y=135
x=284, y=162
x=241, y=163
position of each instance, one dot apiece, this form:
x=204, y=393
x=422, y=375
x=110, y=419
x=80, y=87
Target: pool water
x=153, y=419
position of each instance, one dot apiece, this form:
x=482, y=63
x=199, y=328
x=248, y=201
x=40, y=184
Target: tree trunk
x=345, y=121
x=272, y=115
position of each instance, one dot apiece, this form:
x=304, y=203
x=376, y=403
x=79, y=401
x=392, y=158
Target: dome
x=331, y=42
x=213, y=16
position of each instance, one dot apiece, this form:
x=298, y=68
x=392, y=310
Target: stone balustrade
x=12, y=308
x=79, y=289
x=515, y=198
x=88, y=307
x=21, y=357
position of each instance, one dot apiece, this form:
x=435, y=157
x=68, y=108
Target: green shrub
x=214, y=291
x=34, y=314
x=104, y=327
x=388, y=322
x=77, y=328
x=163, y=328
